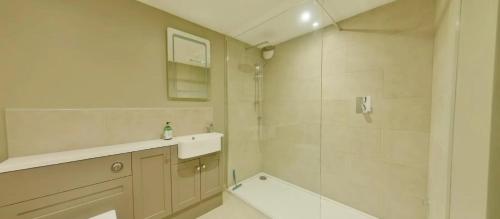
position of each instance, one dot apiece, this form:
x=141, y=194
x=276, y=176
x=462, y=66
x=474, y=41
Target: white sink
x=197, y=145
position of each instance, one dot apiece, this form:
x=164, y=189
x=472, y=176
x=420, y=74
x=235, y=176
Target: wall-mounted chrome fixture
x=364, y=105
x=268, y=52
x=267, y=49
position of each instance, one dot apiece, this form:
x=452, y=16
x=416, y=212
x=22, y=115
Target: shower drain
x=263, y=177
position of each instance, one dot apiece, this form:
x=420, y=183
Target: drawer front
x=81, y=203
x=29, y=184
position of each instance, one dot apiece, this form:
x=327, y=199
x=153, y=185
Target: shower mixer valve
x=364, y=105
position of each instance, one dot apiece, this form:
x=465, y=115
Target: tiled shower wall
x=378, y=162
x=292, y=112
x=244, y=152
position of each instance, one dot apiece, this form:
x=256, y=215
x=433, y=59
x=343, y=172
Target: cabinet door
x=152, y=183
x=211, y=177
x=81, y=203
x=185, y=184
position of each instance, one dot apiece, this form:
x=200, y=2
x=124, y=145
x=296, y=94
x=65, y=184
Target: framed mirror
x=188, y=66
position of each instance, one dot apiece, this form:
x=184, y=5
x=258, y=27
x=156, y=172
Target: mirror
x=188, y=66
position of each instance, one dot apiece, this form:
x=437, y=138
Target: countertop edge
x=47, y=159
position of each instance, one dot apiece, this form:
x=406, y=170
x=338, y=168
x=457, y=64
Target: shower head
x=268, y=52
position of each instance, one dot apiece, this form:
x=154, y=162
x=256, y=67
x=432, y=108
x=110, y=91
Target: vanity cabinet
x=83, y=188
x=81, y=203
x=194, y=180
x=185, y=184
x=152, y=183
x=211, y=176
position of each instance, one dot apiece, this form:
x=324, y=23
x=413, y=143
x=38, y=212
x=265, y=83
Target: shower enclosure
x=298, y=145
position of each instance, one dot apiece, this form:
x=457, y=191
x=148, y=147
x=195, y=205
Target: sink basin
x=197, y=145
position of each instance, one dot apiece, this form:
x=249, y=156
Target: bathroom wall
x=494, y=172
x=473, y=111
x=93, y=54
x=443, y=100
x=67, y=129
x=292, y=112
x=378, y=162
x=244, y=150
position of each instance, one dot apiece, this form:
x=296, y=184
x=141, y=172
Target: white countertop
x=40, y=160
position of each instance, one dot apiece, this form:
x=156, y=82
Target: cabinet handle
x=198, y=168
x=116, y=167
x=204, y=166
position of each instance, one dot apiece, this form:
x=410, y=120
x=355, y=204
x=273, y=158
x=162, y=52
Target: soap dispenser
x=168, y=132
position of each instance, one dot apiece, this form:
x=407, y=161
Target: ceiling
x=256, y=21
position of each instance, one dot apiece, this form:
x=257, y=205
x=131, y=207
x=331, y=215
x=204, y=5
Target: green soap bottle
x=168, y=132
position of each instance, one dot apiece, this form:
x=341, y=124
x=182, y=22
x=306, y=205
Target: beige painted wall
x=91, y=54
x=471, y=150
x=244, y=149
x=376, y=163
x=443, y=100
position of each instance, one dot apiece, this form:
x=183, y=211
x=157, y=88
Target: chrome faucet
x=210, y=127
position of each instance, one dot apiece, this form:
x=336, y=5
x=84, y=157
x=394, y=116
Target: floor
x=279, y=199
x=233, y=208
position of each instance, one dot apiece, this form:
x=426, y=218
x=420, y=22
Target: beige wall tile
x=377, y=162
x=405, y=207
x=353, y=84
x=404, y=82
x=412, y=114
x=368, y=200
x=292, y=112
x=343, y=112
x=32, y=131
x=291, y=150
x=354, y=141
x=406, y=147
x=134, y=125
x=245, y=154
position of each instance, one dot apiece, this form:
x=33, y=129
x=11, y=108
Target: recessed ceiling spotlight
x=316, y=24
x=305, y=16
